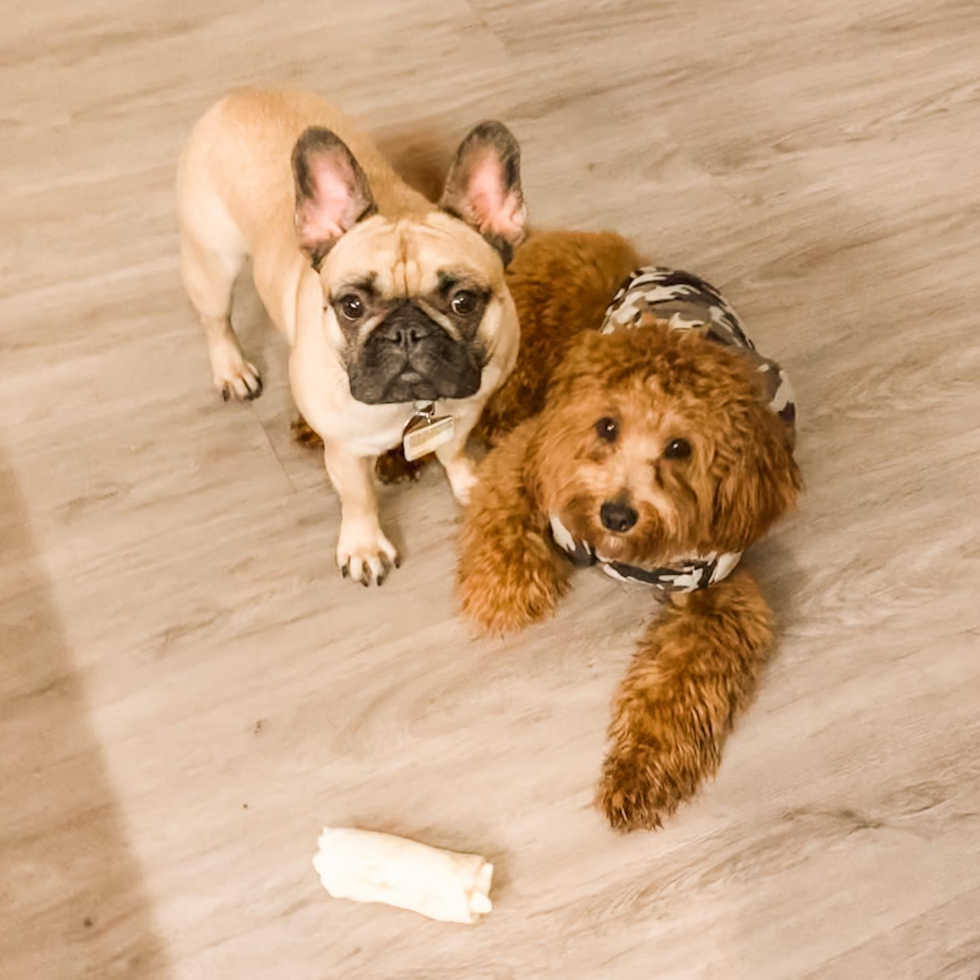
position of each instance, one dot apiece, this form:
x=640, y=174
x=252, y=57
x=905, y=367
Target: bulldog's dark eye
x=677, y=449
x=464, y=303
x=351, y=306
x=606, y=429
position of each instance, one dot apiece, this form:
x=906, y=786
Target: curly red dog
x=656, y=443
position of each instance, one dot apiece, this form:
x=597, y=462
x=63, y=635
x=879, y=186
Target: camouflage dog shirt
x=685, y=302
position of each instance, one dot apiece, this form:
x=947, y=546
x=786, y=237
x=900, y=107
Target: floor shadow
x=420, y=156
x=72, y=900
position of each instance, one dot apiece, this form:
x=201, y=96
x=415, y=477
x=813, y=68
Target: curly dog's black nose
x=617, y=516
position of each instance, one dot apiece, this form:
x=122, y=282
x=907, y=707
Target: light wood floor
x=187, y=689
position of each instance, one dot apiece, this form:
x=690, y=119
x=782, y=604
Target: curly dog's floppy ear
x=760, y=480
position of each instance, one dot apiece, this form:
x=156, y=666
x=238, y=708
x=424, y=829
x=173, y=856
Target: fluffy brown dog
x=643, y=445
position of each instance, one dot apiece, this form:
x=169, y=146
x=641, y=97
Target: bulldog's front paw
x=364, y=554
x=232, y=375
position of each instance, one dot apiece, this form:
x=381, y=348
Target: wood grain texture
x=187, y=690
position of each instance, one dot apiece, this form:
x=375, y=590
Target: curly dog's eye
x=351, y=306
x=677, y=449
x=607, y=429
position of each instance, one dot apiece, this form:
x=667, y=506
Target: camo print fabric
x=685, y=302
x=683, y=575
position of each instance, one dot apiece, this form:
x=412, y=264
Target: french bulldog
x=396, y=309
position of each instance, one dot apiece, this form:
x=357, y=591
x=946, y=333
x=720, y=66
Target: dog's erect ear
x=332, y=191
x=484, y=186
x=758, y=485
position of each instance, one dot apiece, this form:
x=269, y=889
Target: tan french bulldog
x=396, y=309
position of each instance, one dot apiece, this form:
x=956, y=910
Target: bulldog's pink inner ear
x=330, y=212
x=483, y=187
x=332, y=191
x=495, y=210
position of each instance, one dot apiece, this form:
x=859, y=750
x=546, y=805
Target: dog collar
x=688, y=574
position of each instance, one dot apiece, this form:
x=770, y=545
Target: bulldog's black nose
x=617, y=516
x=407, y=327
x=404, y=337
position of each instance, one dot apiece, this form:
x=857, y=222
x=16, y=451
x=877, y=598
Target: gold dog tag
x=425, y=433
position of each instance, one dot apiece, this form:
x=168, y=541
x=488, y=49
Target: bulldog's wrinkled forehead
x=412, y=257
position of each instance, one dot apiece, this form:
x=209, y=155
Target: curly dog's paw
x=507, y=602
x=392, y=467
x=303, y=434
x=635, y=791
